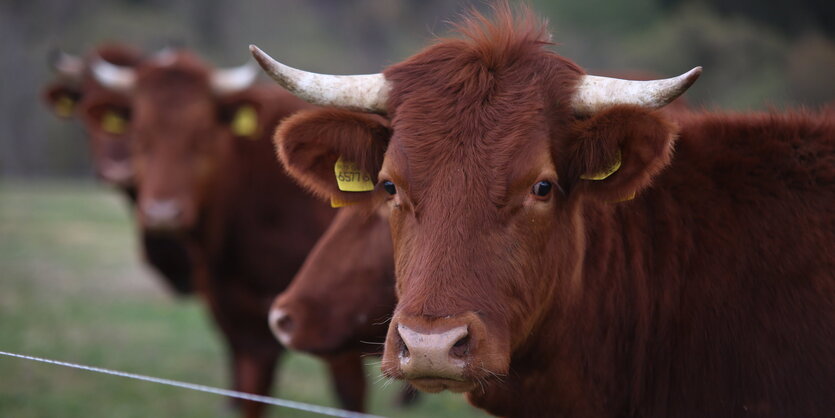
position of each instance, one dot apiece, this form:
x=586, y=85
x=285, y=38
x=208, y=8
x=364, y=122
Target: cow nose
x=162, y=213
x=433, y=354
x=119, y=172
x=282, y=325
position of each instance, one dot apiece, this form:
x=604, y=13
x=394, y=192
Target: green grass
x=72, y=288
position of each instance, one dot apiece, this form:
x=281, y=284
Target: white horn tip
x=257, y=53
x=691, y=76
x=261, y=57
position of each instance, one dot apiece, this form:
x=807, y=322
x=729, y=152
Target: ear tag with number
x=350, y=178
x=113, y=123
x=245, y=122
x=606, y=173
x=64, y=106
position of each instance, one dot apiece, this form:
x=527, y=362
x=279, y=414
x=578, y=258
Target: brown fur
x=167, y=256
x=711, y=293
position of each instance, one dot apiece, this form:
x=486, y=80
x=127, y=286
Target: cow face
x=344, y=293
x=104, y=113
x=182, y=125
x=494, y=152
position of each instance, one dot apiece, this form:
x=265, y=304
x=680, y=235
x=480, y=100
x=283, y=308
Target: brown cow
x=340, y=301
x=343, y=295
x=561, y=249
x=207, y=173
x=105, y=113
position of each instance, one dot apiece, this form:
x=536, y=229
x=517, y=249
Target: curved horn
x=112, y=76
x=67, y=65
x=365, y=93
x=595, y=93
x=232, y=80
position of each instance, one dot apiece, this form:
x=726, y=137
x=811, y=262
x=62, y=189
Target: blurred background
x=71, y=286
x=756, y=53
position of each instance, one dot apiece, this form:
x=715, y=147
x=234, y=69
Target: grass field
x=72, y=288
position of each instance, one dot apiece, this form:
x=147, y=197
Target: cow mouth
x=437, y=384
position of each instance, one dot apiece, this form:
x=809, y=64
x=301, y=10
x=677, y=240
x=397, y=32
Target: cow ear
x=243, y=118
x=62, y=99
x=335, y=153
x=616, y=153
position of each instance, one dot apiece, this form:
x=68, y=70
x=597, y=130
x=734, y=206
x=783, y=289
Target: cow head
x=495, y=151
x=344, y=293
x=184, y=117
x=104, y=113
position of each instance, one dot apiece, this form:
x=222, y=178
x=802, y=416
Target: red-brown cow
x=563, y=249
x=341, y=300
x=104, y=113
x=207, y=173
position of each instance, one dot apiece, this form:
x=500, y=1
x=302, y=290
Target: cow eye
x=389, y=186
x=542, y=189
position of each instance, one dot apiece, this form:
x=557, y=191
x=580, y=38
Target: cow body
x=561, y=253
x=709, y=294
x=104, y=113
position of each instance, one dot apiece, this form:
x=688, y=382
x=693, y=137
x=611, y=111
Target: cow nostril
x=285, y=323
x=461, y=347
x=404, y=351
x=281, y=324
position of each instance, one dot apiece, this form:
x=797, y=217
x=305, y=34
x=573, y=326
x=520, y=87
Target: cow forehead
x=173, y=84
x=469, y=154
x=465, y=113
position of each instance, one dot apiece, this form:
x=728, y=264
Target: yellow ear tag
x=113, y=123
x=64, y=106
x=606, y=173
x=245, y=123
x=336, y=203
x=350, y=178
x=625, y=199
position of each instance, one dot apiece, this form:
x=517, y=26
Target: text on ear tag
x=245, y=122
x=64, y=106
x=336, y=203
x=350, y=178
x=605, y=173
x=113, y=123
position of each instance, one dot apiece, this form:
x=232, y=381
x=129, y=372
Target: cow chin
x=435, y=385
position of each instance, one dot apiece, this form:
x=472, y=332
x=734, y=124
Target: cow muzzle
x=117, y=173
x=298, y=324
x=282, y=325
x=435, y=354
x=162, y=215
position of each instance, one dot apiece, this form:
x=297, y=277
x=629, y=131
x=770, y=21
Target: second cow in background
x=207, y=173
